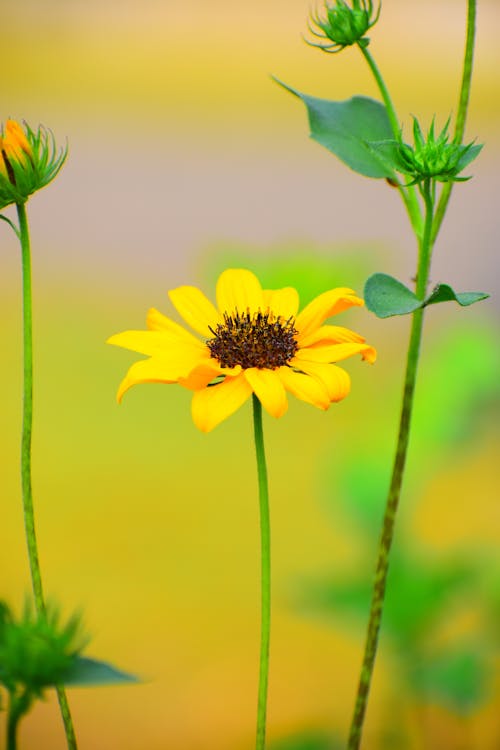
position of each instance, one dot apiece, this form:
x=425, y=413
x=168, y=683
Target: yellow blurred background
x=184, y=158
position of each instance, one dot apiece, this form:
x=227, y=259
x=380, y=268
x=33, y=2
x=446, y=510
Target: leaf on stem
x=386, y=296
x=347, y=129
x=444, y=293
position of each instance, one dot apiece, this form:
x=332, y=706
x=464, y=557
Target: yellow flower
x=253, y=341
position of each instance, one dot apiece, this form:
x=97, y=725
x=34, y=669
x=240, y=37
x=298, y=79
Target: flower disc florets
x=434, y=157
x=29, y=160
x=344, y=25
x=260, y=340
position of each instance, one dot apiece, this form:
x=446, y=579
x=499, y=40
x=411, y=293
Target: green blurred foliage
x=307, y=741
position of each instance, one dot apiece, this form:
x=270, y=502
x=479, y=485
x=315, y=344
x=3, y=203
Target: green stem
x=265, y=540
x=463, y=104
x=29, y=517
x=27, y=494
x=385, y=544
x=18, y=706
x=408, y=195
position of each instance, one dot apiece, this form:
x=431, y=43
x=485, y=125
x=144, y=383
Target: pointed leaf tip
x=444, y=293
x=92, y=672
x=386, y=296
x=347, y=128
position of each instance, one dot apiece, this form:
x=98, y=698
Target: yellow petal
x=336, y=380
x=323, y=307
x=306, y=388
x=283, y=303
x=147, y=371
x=213, y=404
x=15, y=142
x=159, y=343
x=3, y=168
x=201, y=375
x=156, y=321
x=330, y=335
x=333, y=353
x=269, y=389
x=239, y=290
x=196, y=309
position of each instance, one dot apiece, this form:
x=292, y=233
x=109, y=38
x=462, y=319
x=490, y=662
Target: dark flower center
x=253, y=340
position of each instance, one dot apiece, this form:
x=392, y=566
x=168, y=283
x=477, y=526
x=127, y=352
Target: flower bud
x=29, y=160
x=434, y=157
x=36, y=651
x=343, y=25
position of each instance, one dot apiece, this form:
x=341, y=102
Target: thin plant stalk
x=433, y=220
x=27, y=494
x=265, y=539
x=463, y=105
x=388, y=523
x=408, y=194
x=18, y=706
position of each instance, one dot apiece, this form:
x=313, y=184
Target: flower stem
x=386, y=538
x=408, y=195
x=18, y=706
x=463, y=104
x=265, y=540
x=27, y=494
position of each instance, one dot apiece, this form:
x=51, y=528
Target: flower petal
x=336, y=380
x=15, y=142
x=333, y=353
x=323, y=307
x=239, y=289
x=205, y=372
x=304, y=387
x=159, y=343
x=147, y=371
x=282, y=302
x=195, y=308
x=268, y=388
x=156, y=321
x=330, y=335
x=213, y=404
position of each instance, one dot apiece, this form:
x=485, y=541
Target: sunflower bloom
x=253, y=341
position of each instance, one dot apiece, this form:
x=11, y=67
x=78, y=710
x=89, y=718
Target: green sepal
x=86, y=671
x=385, y=296
x=347, y=129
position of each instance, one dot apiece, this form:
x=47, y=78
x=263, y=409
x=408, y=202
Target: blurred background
x=185, y=158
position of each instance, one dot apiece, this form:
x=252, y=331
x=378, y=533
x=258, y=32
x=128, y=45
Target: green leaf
x=387, y=153
x=458, y=679
x=86, y=671
x=346, y=129
x=444, y=293
x=307, y=741
x=386, y=296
